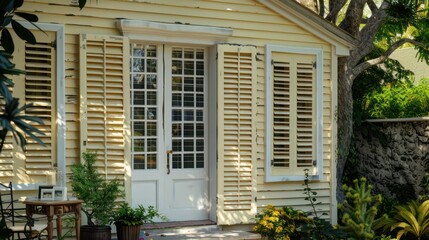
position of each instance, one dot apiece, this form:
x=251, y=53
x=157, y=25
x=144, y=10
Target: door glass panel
x=144, y=106
x=188, y=101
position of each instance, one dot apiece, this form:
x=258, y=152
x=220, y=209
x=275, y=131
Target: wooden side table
x=58, y=208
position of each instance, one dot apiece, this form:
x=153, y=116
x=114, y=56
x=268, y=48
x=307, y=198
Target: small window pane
x=200, y=145
x=189, y=115
x=151, y=51
x=138, y=52
x=200, y=54
x=188, y=161
x=200, y=85
x=151, y=129
x=177, y=161
x=188, y=145
x=139, y=161
x=200, y=68
x=177, y=67
x=177, y=84
x=151, y=145
x=200, y=100
x=189, y=130
x=177, y=53
x=151, y=66
x=138, y=98
x=200, y=115
x=151, y=113
x=151, y=98
x=139, y=145
x=138, y=81
x=138, y=65
x=177, y=145
x=139, y=112
x=189, y=53
x=176, y=100
x=189, y=84
x=151, y=161
x=200, y=160
x=188, y=100
x=189, y=67
x=176, y=129
x=200, y=130
x=151, y=82
x=176, y=115
x=139, y=129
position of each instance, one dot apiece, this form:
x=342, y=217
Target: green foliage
x=411, y=218
x=401, y=101
x=359, y=211
x=128, y=216
x=98, y=194
x=280, y=223
x=318, y=228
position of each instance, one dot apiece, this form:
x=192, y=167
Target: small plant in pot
x=98, y=195
x=129, y=220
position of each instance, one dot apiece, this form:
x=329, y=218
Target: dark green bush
x=400, y=101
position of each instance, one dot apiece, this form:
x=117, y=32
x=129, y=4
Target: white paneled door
x=169, y=130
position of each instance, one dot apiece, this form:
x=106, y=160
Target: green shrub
x=400, y=101
x=359, y=211
x=411, y=218
x=280, y=223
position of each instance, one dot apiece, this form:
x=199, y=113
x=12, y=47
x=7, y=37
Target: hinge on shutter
x=256, y=199
x=54, y=44
x=272, y=61
x=315, y=163
x=315, y=65
x=272, y=162
x=217, y=55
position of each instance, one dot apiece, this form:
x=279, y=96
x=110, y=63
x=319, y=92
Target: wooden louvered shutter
x=37, y=86
x=294, y=117
x=104, y=89
x=236, y=134
x=40, y=89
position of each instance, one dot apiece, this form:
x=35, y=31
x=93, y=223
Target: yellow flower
x=279, y=229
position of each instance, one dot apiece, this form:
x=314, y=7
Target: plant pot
x=125, y=232
x=96, y=232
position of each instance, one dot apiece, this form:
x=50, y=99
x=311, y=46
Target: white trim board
x=172, y=32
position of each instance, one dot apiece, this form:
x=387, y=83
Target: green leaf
x=6, y=41
x=18, y=3
x=23, y=32
x=28, y=16
x=82, y=3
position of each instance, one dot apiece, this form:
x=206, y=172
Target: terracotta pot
x=125, y=232
x=96, y=232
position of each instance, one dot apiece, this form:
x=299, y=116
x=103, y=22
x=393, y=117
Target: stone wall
x=394, y=156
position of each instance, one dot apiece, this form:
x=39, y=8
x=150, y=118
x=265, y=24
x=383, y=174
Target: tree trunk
x=345, y=121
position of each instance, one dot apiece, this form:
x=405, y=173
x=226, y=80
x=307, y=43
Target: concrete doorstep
x=196, y=232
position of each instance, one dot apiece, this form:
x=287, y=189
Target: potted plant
x=129, y=220
x=98, y=195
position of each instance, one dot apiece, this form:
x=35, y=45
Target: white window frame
x=318, y=52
